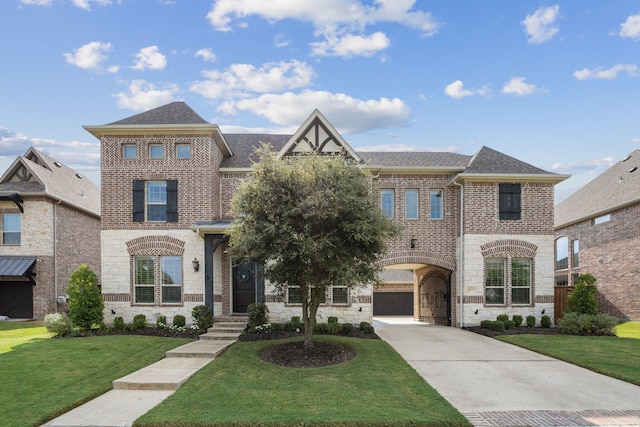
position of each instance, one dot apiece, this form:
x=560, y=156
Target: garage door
x=16, y=299
x=393, y=303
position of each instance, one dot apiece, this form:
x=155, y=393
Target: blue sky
x=555, y=84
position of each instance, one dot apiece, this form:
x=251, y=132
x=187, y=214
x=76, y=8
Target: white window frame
x=495, y=287
x=165, y=263
x=515, y=278
x=144, y=284
x=8, y=229
x=155, y=198
x=602, y=219
x=153, y=155
x=156, y=279
x=183, y=146
x=409, y=194
x=126, y=155
x=333, y=295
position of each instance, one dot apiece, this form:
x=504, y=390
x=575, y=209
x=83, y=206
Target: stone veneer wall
x=609, y=252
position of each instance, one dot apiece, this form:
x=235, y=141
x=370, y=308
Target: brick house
x=168, y=177
x=597, y=231
x=50, y=221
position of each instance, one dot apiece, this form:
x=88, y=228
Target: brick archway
x=418, y=257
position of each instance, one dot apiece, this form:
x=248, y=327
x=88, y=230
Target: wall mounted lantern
x=196, y=264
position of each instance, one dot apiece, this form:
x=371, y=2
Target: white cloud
x=608, y=74
x=143, y=96
x=37, y=2
x=541, y=25
x=456, y=90
x=16, y=144
x=333, y=20
x=150, y=58
x=349, y=115
x=206, y=54
x=88, y=56
x=244, y=79
x=86, y=4
x=351, y=45
x=592, y=167
x=517, y=86
x=280, y=40
x=631, y=27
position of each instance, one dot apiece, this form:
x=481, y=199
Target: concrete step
x=201, y=348
x=220, y=336
x=227, y=327
x=166, y=374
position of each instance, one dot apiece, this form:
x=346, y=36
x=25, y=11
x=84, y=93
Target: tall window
x=387, y=202
x=167, y=280
x=11, y=229
x=575, y=253
x=435, y=202
x=562, y=253
x=411, y=204
x=155, y=201
x=294, y=295
x=340, y=295
x=183, y=151
x=521, y=281
x=494, y=281
x=156, y=151
x=509, y=201
x=144, y=280
x=129, y=151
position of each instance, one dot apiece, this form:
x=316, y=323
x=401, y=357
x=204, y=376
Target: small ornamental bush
x=517, y=320
x=587, y=324
x=332, y=319
x=118, y=323
x=139, y=321
x=582, y=299
x=85, y=301
x=502, y=317
x=347, y=328
x=203, y=317
x=545, y=321
x=531, y=321
x=179, y=321
x=321, y=328
x=508, y=324
x=494, y=325
x=258, y=315
x=58, y=323
x=335, y=327
x=367, y=328
x=161, y=323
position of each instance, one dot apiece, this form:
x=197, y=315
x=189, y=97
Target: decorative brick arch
x=418, y=257
x=509, y=249
x=155, y=245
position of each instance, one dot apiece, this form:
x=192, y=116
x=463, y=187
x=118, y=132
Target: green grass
x=628, y=330
x=43, y=378
x=375, y=388
x=613, y=356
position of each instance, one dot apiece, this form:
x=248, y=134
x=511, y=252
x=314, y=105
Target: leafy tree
x=85, y=301
x=582, y=299
x=313, y=221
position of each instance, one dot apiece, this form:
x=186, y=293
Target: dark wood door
x=560, y=295
x=16, y=299
x=435, y=305
x=244, y=286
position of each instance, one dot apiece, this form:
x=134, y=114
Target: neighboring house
x=168, y=178
x=50, y=222
x=597, y=231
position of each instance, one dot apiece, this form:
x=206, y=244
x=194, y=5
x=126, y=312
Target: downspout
x=55, y=254
x=461, y=266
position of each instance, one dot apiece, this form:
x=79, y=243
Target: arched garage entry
x=420, y=286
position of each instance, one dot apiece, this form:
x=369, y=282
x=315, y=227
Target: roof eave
x=413, y=169
x=55, y=198
x=551, y=178
x=597, y=214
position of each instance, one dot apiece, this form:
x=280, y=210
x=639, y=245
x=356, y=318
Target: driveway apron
x=496, y=383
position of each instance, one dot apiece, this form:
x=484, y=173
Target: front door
x=248, y=286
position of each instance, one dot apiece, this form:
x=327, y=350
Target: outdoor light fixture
x=413, y=243
x=196, y=264
x=543, y=310
x=476, y=312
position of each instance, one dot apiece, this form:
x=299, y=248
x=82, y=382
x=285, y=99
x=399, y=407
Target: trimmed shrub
x=508, y=324
x=367, y=328
x=139, y=322
x=332, y=319
x=85, y=301
x=321, y=328
x=517, y=320
x=58, y=323
x=587, y=324
x=582, y=299
x=161, y=323
x=296, y=320
x=531, y=321
x=179, y=321
x=545, y=321
x=348, y=328
x=203, y=317
x=118, y=324
x=258, y=315
x=494, y=325
x=335, y=328
x=502, y=317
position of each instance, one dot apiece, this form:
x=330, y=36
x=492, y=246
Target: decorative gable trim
x=317, y=135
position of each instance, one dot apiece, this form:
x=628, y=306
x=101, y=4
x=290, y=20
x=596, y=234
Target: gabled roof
x=489, y=164
x=615, y=188
x=175, y=117
x=37, y=174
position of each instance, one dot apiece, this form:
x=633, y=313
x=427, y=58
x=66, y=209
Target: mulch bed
x=517, y=331
x=293, y=354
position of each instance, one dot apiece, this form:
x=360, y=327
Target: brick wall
x=609, y=252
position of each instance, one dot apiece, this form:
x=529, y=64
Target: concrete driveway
x=495, y=383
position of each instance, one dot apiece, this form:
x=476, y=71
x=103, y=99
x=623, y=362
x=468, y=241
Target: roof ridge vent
x=626, y=158
x=633, y=169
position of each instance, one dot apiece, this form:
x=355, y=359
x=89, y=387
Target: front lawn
x=375, y=388
x=628, y=330
x=42, y=378
x=613, y=356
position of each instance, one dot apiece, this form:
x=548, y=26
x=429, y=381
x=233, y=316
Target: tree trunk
x=308, y=323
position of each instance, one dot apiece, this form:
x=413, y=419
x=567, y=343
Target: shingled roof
x=617, y=187
x=175, y=113
x=36, y=173
x=490, y=161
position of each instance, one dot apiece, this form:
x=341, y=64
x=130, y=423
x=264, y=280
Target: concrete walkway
x=493, y=383
x=137, y=393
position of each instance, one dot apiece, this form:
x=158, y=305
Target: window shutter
x=172, y=200
x=138, y=200
x=509, y=201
